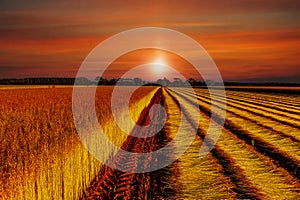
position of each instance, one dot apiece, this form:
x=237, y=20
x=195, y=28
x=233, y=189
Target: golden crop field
x=257, y=156
x=41, y=155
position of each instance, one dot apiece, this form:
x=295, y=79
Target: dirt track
x=114, y=184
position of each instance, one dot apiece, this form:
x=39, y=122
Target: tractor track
x=114, y=184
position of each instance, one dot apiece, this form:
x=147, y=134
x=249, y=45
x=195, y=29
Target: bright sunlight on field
x=41, y=154
x=257, y=155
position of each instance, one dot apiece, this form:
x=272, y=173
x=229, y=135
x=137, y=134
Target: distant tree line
x=38, y=81
x=176, y=82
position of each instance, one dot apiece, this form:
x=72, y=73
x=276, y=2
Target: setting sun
x=159, y=65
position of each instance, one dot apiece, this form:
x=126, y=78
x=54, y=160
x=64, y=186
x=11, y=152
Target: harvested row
x=281, y=100
x=273, y=126
x=197, y=178
x=282, y=149
x=285, y=118
x=241, y=186
x=276, y=148
x=268, y=127
x=254, y=99
x=290, y=113
x=257, y=169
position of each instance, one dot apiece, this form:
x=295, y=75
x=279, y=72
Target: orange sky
x=248, y=39
x=136, y=58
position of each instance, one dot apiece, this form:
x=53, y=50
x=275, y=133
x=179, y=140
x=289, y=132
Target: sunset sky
x=247, y=39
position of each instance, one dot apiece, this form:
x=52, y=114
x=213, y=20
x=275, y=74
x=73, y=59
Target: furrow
x=280, y=100
x=258, y=168
x=242, y=187
x=263, y=106
x=288, y=132
x=265, y=148
x=275, y=117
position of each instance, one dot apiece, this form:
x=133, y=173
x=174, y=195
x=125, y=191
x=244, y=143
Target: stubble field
x=256, y=157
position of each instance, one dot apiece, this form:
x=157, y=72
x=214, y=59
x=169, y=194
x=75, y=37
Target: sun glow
x=159, y=65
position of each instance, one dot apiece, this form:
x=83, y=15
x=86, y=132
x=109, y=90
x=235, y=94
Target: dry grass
x=42, y=157
x=41, y=154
